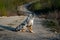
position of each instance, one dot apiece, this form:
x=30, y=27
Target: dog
x=26, y=25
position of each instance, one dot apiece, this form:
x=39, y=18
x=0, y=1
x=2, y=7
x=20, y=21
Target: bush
x=52, y=25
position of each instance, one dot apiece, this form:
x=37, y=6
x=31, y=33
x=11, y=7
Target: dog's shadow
x=7, y=28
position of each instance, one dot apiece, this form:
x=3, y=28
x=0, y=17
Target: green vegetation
x=41, y=4
x=56, y=3
x=45, y=4
x=49, y=23
x=10, y=5
x=36, y=6
x=52, y=25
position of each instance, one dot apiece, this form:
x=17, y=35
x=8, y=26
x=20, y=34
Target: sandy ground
x=41, y=33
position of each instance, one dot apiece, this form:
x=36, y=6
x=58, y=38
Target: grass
x=9, y=5
x=4, y=6
x=52, y=25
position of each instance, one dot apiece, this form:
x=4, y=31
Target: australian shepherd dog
x=26, y=25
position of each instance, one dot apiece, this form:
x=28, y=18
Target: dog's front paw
x=32, y=32
x=23, y=30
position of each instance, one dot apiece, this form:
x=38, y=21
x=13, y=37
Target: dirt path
x=41, y=33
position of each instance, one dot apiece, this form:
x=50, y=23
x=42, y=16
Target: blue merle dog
x=26, y=25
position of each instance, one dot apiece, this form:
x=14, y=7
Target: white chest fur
x=31, y=21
